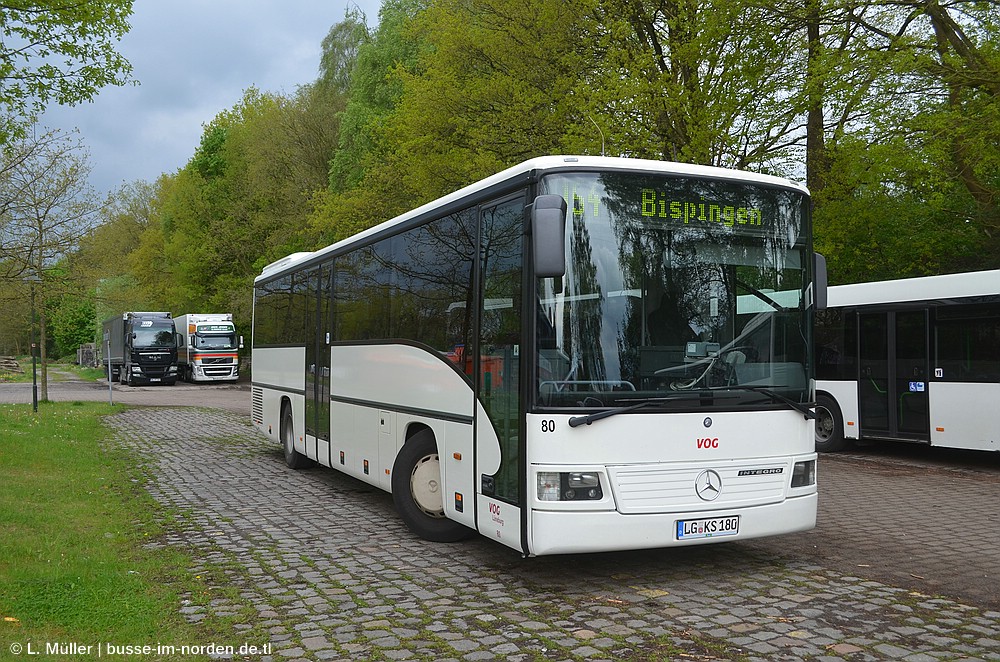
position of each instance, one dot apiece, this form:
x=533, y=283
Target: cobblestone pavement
x=322, y=569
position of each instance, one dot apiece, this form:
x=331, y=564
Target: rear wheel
x=293, y=458
x=829, y=426
x=418, y=493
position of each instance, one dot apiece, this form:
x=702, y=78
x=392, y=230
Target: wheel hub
x=425, y=485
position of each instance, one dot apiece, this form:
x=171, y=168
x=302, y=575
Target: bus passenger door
x=912, y=402
x=892, y=384
x=498, y=372
x=873, y=380
x=317, y=368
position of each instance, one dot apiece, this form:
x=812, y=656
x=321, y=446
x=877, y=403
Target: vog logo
x=495, y=515
x=708, y=442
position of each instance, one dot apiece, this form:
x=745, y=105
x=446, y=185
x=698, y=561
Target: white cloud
x=194, y=59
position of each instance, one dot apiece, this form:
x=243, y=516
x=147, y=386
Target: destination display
x=661, y=204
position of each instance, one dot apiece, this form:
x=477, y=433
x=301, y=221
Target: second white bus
x=915, y=360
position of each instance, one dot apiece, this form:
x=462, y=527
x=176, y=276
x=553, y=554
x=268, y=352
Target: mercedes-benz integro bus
x=576, y=354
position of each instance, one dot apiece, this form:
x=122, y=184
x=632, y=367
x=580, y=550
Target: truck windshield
x=675, y=286
x=215, y=341
x=153, y=336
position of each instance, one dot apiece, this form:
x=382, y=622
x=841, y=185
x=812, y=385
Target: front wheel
x=418, y=493
x=829, y=426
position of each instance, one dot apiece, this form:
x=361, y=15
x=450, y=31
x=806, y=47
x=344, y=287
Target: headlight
x=569, y=486
x=136, y=368
x=804, y=473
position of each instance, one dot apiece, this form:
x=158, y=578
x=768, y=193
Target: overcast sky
x=194, y=59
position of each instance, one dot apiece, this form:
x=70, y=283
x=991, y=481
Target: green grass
x=56, y=370
x=74, y=517
x=79, y=372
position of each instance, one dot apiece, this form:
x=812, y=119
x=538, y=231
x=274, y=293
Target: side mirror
x=548, y=236
x=820, y=281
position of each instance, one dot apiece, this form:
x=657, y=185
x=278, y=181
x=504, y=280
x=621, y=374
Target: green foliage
x=891, y=109
x=71, y=323
x=57, y=52
x=340, y=52
x=372, y=95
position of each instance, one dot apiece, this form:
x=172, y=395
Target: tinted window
x=967, y=343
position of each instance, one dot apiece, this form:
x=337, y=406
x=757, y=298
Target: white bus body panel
x=648, y=466
x=275, y=366
x=957, y=421
x=379, y=391
x=846, y=395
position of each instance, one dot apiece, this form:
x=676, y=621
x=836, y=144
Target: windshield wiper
x=577, y=421
x=797, y=406
x=763, y=297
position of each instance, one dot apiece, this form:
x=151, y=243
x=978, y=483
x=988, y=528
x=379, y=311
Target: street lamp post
x=32, y=279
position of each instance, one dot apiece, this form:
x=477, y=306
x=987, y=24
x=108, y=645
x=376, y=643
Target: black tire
x=293, y=458
x=829, y=426
x=418, y=493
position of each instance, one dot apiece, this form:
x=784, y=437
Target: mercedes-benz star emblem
x=708, y=485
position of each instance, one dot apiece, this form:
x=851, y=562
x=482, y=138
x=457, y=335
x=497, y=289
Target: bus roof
x=927, y=288
x=531, y=168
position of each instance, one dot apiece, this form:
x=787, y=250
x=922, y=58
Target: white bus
x=577, y=354
x=916, y=360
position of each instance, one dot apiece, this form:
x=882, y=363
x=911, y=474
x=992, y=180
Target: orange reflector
x=939, y=429
x=457, y=456
x=850, y=422
x=386, y=472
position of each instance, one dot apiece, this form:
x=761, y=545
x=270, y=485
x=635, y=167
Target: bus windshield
x=686, y=291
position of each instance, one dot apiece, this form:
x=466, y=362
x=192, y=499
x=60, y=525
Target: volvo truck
x=207, y=347
x=140, y=348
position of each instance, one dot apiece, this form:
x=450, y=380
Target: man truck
x=207, y=347
x=140, y=348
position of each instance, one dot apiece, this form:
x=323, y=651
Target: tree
x=49, y=207
x=903, y=123
x=60, y=52
x=340, y=53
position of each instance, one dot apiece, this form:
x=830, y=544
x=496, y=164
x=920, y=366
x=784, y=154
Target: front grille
x=217, y=360
x=670, y=488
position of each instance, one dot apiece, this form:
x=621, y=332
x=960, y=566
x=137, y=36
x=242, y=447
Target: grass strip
x=74, y=517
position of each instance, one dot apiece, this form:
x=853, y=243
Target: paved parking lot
x=325, y=570
x=904, y=563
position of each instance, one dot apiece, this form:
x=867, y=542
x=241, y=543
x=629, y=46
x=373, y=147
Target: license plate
x=154, y=379
x=711, y=527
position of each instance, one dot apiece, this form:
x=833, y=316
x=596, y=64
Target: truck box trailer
x=208, y=348
x=140, y=348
